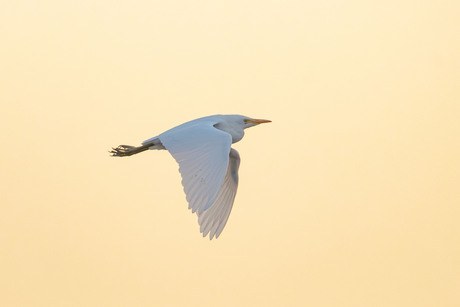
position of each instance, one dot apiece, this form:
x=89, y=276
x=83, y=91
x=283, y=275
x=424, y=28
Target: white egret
x=207, y=163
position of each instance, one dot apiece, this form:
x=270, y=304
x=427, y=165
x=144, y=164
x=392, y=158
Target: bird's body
x=207, y=163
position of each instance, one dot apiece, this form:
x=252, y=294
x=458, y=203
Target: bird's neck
x=236, y=132
x=237, y=135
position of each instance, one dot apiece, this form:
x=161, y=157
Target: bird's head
x=235, y=125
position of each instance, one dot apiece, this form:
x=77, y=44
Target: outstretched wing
x=213, y=220
x=202, y=152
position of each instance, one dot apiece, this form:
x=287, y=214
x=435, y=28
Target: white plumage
x=207, y=163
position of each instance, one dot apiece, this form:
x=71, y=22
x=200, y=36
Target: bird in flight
x=207, y=163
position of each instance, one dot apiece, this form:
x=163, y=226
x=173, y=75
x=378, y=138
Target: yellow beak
x=258, y=121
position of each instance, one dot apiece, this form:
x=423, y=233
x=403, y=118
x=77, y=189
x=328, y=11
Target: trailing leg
x=127, y=150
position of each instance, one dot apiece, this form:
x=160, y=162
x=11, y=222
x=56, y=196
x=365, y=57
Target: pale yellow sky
x=350, y=197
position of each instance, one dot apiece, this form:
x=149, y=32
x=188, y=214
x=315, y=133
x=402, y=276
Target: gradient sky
x=350, y=197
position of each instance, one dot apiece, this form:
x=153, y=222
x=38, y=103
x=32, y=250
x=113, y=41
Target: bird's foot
x=123, y=151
